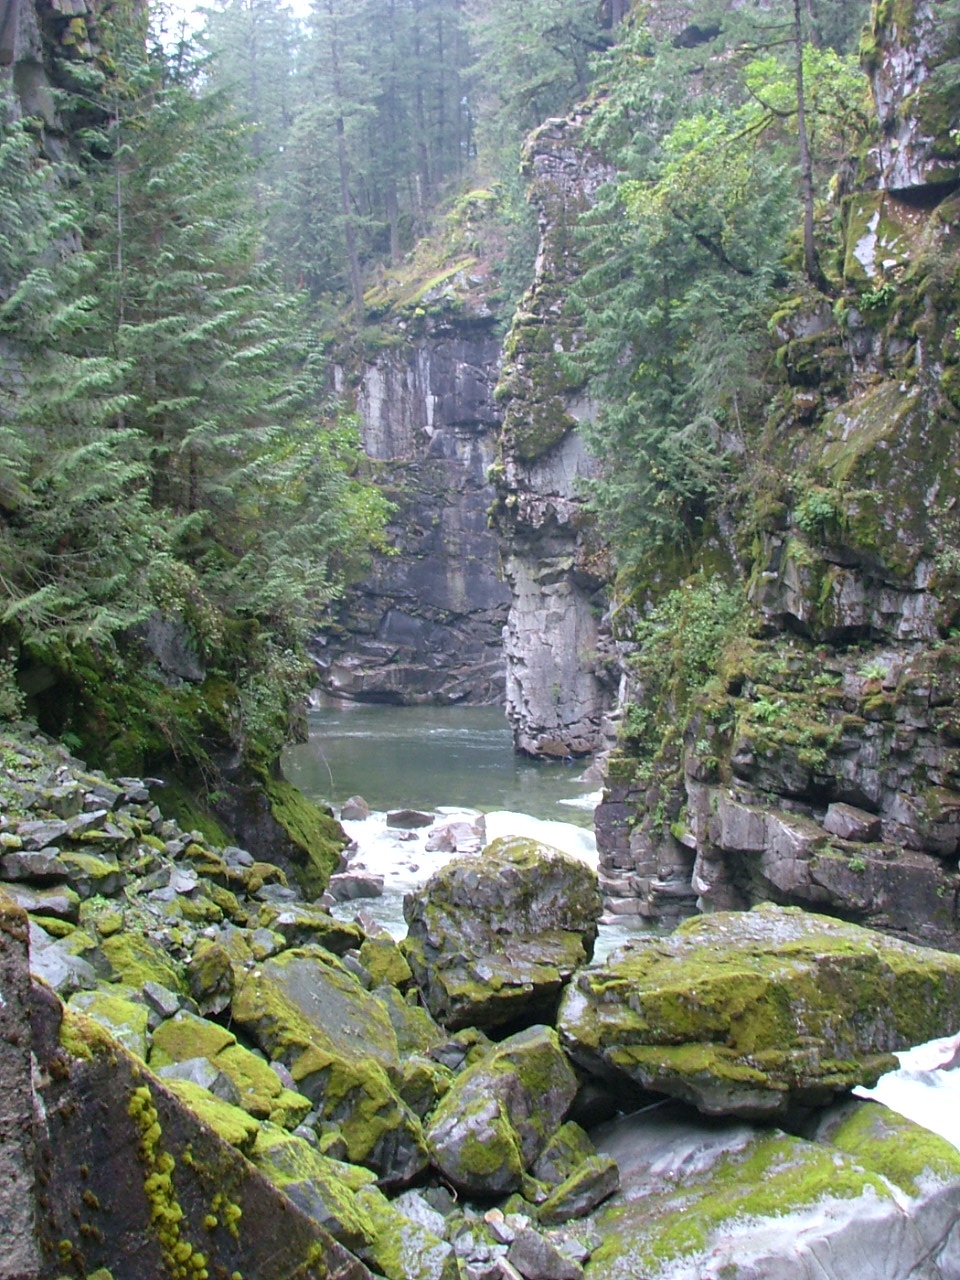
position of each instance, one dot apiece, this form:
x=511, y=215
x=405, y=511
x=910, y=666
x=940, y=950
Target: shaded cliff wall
x=821, y=766
x=554, y=642
x=425, y=625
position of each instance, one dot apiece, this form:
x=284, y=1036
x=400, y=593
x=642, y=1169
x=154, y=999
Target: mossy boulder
x=403, y=1249
x=499, y=1115
x=385, y=962
x=906, y=1154
x=306, y=1010
x=323, y=1188
x=757, y=1013
x=210, y=976
x=136, y=960
x=302, y=923
x=764, y=1203
x=231, y=1124
x=493, y=939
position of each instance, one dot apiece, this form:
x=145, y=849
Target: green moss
x=230, y=1123
x=384, y=961
x=402, y=1249
x=315, y=833
x=138, y=960
x=774, y=1175
x=183, y=1261
x=120, y=1015
x=188, y=1036
x=83, y=1037
x=891, y=1145
x=177, y=802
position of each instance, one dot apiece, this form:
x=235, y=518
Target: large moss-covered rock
x=756, y=1013
x=493, y=940
x=118, y=1011
x=760, y=1203
x=305, y=1009
x=500, y=1114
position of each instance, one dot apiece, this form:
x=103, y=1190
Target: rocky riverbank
x=204, y=1074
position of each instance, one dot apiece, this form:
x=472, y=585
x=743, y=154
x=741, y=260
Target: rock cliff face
x=556, y=688
x=821, y=766
x=425, y=625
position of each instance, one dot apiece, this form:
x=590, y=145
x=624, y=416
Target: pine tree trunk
x=811, y=262
x=356, y=285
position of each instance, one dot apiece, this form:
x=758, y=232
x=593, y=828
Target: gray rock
x=202, y=1072
x=41, y=833
x=355, y=809
x=61, y=903
x=595, y=1181
x=161, y=1000
x=347, y=886
x=536, y=1258
x=42, y=866
x=493, y=940
x=413, y=1206
x=849, y=823
x=236, y=857
x=458, y=836
x=64, y=972
x=408, y=819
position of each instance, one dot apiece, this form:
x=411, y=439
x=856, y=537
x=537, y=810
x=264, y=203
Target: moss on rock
x=753, y=1013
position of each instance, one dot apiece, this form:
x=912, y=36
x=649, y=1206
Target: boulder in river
x=493, y=939
x=758, y=1013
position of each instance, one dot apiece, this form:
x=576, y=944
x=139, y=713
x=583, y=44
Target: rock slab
x=757, y=1013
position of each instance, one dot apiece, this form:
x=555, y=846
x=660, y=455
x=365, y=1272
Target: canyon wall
x=555, y=644
x=425, y=625
x=821, y=766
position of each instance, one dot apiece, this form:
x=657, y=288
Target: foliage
x=163, y=444
x=689, y=246
x=679, y=645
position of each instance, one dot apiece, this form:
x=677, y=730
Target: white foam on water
x=921, y=1090
x=401, y=857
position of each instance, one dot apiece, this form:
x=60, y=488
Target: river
x=449, y=759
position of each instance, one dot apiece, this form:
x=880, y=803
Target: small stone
x=202, y=1072
x=234, y=856
x=349, y=885
x=160, y=999
x=355, y=809
x=42, y=865
x=408, y=819
x=41, y=834
x=849, y=823
x=536, y=1258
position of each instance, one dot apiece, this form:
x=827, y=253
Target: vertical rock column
x=556, y=690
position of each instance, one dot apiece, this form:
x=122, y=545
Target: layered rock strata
x=838, y=695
